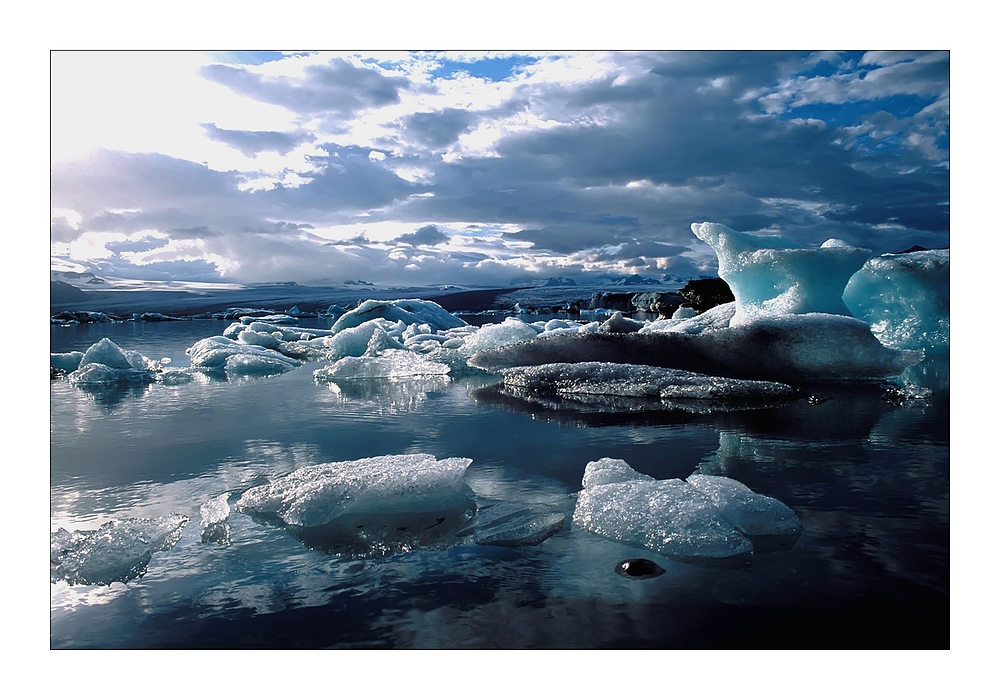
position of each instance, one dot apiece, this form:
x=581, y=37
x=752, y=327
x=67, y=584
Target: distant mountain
x=632, y=279
x=358, y=282
x=549, y=282
x=63, y=292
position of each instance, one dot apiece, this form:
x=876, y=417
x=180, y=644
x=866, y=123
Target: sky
x=485, y=167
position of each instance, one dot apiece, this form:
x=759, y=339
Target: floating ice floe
x=389, y=364
x=65, y=361
x=406, y=310
x=704, y=520
x=905, y=297
x=664, y=388
x=120, y=550
x=222, y=354
x=105, y=364
x=369, y=506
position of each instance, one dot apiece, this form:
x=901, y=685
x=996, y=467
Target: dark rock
x=639, y=569
x=63, y=292
x=702, y=295
x=620, y=301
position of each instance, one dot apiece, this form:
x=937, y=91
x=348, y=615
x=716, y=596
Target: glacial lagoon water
x=868, y=479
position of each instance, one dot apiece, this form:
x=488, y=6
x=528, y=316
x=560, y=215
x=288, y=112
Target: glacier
x=701, y=520
x=120, y=550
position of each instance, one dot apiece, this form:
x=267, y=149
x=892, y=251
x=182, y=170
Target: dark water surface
x=869, y=480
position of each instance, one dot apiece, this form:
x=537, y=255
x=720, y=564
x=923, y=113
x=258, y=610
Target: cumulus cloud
x=570, y=164
x=424, y=236
x=250, y=143
x=336, y=89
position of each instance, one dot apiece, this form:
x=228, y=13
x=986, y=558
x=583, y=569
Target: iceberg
x=905, y=297
x=753, y=514
x=668, y=517
x=790, y=349
x=105, y=364
x=671, y=388
x=705, y=519
x=494, y=335
x=220, y=353
x=406, y=310
x=354, y=341
x=65, y=361
x=773, y=275
x=369, y=506
x=120, y=550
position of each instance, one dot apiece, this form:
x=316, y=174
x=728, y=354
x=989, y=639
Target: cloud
x=335, y=89
x=572, y=164
x=424, y=236
x=250, y=143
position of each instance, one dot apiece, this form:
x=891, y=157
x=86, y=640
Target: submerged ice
x=701, y=520
x=120, y=550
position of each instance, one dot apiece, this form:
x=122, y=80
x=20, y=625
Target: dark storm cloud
x=424, y=236
x=250, y=143
x=685, y=124
x=336, y=88
x=439, y=129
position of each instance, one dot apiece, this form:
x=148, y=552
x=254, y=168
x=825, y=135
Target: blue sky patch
x=492, y=69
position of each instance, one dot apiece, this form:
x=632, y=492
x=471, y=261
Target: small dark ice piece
x=639, y=568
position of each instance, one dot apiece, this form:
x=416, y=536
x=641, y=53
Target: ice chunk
x=905, y=298
x=406, y=310
x=391, y=364
x=214, y=517
x=494, y=335
x=173, y=377
x=773, y=275
x=247, y=364
x=515, y=525
x=97, y=376
x=66, y=361
x=788, y=349
x=264, y=340
x=119, y=550
x=215, y=352
x=751, y=513
x=668, y=517
x=676, y=389
x=354, y=341
x=369, y=506
x=716, y=318
x=610, y=471
x=619, y=324
x=105, y=352
x=682, y=312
